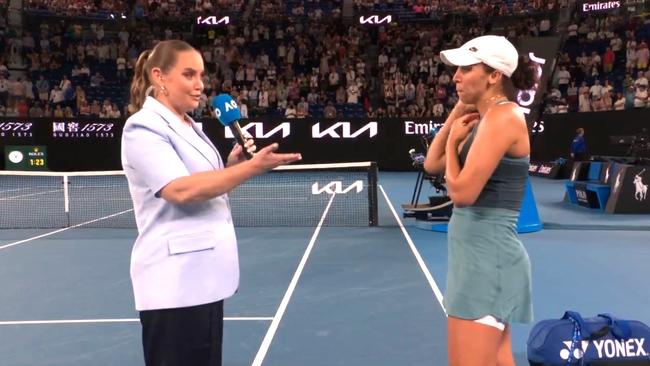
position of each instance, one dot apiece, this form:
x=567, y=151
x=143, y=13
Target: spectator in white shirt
x=120, y=64
x=85, y=71
x=563, y=78
x=596, y=89
x=290, y=112
x=583, y=62
x=584, y=104
x=641, y=80
x=56, y=95
x=17, y=89
x=333, y=80
x=641, y=97
x=619, y=104
x=353, y=93
x=608, y=87
x=596, y=60
x=124, y=35
x=350, y=75
x=243, y=108
x=29, y=89
x=44, y=43
x=573, y=30
x=382, y=60
x=302, y=111
x=607, y=101
x=597, y=104
x=11, y=112
x=617, y=45
x=630, y=54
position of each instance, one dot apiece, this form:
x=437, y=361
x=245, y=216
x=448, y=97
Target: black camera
x=635, y=145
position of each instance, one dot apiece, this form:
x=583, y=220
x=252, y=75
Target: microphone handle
x=241, y=140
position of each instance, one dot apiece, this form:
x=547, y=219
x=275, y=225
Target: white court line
x=30, y=195
x=266, y=342
x=416, y=253
x=19, y=189
x=123, y=320
x=61, y=230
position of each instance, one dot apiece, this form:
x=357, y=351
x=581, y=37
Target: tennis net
x=295, y=195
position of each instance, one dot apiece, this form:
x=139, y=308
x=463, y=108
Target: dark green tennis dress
x=489, y=269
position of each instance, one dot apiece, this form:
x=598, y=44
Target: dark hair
x=163, y=56
x=525, y=77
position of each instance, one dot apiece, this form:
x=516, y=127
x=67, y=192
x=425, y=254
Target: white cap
x=494, y=51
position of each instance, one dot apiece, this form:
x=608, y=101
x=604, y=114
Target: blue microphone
x=228, y=114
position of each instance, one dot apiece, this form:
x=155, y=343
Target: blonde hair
x=164, y=56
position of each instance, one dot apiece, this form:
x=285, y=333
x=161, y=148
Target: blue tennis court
x=318, y=295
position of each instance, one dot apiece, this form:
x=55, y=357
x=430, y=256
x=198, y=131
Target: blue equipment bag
x=602, y=340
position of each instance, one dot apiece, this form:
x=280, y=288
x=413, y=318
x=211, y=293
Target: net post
x=66, y=197
x=373, y=215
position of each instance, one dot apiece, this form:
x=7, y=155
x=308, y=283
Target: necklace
x=495, y=97
x=487, y=103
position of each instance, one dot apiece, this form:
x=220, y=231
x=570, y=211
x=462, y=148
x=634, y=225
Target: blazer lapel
x=205, y=138
x=189, y=135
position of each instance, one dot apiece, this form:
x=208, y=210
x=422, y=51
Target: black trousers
x=190, y=336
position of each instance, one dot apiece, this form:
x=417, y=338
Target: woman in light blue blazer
x=184, y=261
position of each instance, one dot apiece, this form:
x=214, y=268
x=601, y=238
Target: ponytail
x=140, y=82
x=525, y=76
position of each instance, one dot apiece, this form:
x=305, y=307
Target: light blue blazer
x=184, y=255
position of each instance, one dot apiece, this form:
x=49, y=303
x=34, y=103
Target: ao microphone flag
x=227, y=112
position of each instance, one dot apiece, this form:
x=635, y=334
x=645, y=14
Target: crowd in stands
x=139, y=9
x=300, y=9
x=482, y=8
x=298, y=59
x=602, y=66
x=75, y=7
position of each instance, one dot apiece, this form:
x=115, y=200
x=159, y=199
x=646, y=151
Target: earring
x=164, y=90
